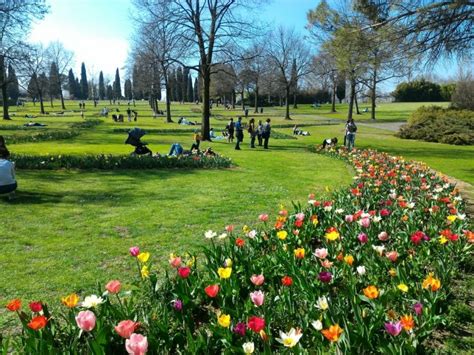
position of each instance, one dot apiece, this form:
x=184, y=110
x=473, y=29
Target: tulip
x=325, y=276
x=402, y=287
x=332, y=333
x=143, y=257
x=257, y=298
x=38, y=323
x=407, y=322
x=317, y=325
x=126, y=328
x=348, y=218
x=322, y=303
x=257, y=280
x=299, y=253
x=383, y=236
x=256, y=324
x=361, y=270
x=184, y=272
x=175, y=261
x=134, y=251
x=321, y=253
x=371, y=292
x=224, y=273
x=287, y=281
x=365, y=222
x=248, y=347
x=263, y=217
x=36, y=306
x=85, y=320
x=393, y=328
x=229, y=228
x=212, y=290
x=326, y=263
x=70, y=301
x=392, y=255
x=113, y=286
x=418, y=308
x=92, y=301
x=14, y=305
x=178, y=305
x=240, y=329
x=291, y=338
x=137, y=344
x=282, y=235
x=224, y=320
x=363, y=238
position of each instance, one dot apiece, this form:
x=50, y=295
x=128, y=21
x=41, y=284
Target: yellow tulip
x=224, y=320
x=70, y=301
x=282, y=235
x=145, y=272
x=224, y=272
x=143, y=257
x=403, y=288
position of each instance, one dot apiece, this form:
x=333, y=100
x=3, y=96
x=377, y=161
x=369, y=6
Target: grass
x=67, y=229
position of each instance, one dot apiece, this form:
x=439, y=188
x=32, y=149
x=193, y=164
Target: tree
x=83, y=82
x=63, y=59
x=13, y=89
x=285, y=49
x=117, y=88
x=179, y=84
x=189, y=94
x=15, y=20
x=101, y=86
x=34, y=66
x=294, y=81
x=463, y=95
x=196, y=94
x=417, y=91
x=128, y=89
x=326, y=73
x=110, y=93
x=54, y=82
x=341, y=88
x=71, y=83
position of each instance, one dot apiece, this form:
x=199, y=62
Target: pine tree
x=77, y=88
x=196, y=90
x=101, y=86
x=13, y=89
x=190, y=89
x=71, y=84
x=54, y=82
x=184, y=84
x=84, y=84
x=109, y=93
x=117, y=88
x=179, y=84
x=128, y=89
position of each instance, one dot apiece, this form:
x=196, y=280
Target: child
x=329, y=142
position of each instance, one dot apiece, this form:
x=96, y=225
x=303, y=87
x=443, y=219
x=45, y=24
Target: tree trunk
x=256, y=99
x=281, y=101
x=40, y=94
x=168, y=93
x=52, y=105
x=333, y=100
x=242, y=99
x=206, y=112
x=351, y=101
x=287, y=114
x=62, y=97
x=3, y=83
x=373, y=95
x=356, y=104
x=233, y=99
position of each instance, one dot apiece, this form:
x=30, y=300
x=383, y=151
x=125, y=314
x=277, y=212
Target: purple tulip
x=325, y=276
x=178, y=305
x=393, y=328
x=418, y=308
x=240, y=329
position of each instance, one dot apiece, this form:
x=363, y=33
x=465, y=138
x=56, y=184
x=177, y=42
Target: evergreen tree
x=77, y=88
x=137, y=91
x=341, y=88
x=171, y=83
x=101, y=86
x=117, y=89
x=196, y=90
x=13, y=89
x=184, y=85
x=32, y=88
x=128, y=89
x=179, y=85
x=71, y=84
x=54, y=82
x=83, y=83
x=190, y=89
x=294, y=83
x=109, y=93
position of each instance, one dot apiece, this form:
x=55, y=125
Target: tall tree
x=63, y=59
x=286, y=48
x=13, y=88
x=34, y=66
x=54, y=82
x=184, y=84
x=110, y=93
x=137, y=80
x=341, y=87
x=117, y=86
x=71, y=84
x=127, y=88
x=84, y=84
x=101, y=86
x=196, y=96
x=294, y=82
x=189, y=86
x=15, y=20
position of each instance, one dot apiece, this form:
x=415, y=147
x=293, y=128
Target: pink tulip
x=365, y=222
x=257, y=280
x=134, y=251
x=321, y=253
x=383, y=236
x=393, y=328
x=137, y=344
x=126, y=327
x=257, y=298
x=392, y=255
x=348, y=218
x=363, y=238
x=175, y=262
x=263, y=217
x=229, y=228
x=113, y=286
x=86, y=320
x=300, y=216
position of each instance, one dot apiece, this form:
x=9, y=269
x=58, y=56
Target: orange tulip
x=38, y=323
x=431, y=282
x=332, y=333
x=407, y=322
x=14, y=305
x=349, y=259
x=371, y=292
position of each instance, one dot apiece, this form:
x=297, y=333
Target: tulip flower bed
x=111, y=162
x=367, y=271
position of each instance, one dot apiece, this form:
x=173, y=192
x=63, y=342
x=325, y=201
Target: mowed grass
x=68, y=229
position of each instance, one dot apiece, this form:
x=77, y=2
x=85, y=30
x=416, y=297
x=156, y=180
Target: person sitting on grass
x=329, y=142
x=8, y=183
x=197, y=141
x=176, y=149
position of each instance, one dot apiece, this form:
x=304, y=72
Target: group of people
x=349, y=136
x=260, y=132
x=8, y=183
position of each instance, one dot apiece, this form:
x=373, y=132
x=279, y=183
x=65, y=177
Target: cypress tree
x=184, y=84
x=54, y=82
x=109, y=93
x=101, y=86
x=128, y=89
x=196, y=90
x=71, y=84
x=77, y=88
x=83, y=83
x=117, y=89
x=190, y=89
x=179, y=84
x=13, y=88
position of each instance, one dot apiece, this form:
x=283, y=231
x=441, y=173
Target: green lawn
x=67, y=229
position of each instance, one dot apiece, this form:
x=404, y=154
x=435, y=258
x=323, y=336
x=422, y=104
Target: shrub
x=367, y=271
x=437, y=124
x=88, y=123
x=111, y=162
x=463, y=95
x=417, y=91
x=42, y=136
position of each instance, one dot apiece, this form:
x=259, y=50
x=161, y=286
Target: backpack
x=352, y=128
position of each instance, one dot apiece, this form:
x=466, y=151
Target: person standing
x=266, y=133
x=129, y=114
x=252, y=132
x=260, y=133
x=351, y=130
x=239, y=133
x=230, y=130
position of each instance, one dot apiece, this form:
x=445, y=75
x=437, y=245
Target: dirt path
x=389, y=126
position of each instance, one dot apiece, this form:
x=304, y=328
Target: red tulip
x=36, y=306
x=184, y=272
x=212, y=290
x=287, y=281
x=256, y=324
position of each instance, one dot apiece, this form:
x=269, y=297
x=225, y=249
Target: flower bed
x=42, y=136
x=111, y=162
x=367, y=271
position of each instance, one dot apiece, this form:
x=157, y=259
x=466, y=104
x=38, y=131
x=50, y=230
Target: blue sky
x=98, y=31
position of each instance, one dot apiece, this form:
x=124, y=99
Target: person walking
x=239, y=133
x=260, y=133
x=252, y=131
x=351, y=130
x=230, y=129
x=266, y=133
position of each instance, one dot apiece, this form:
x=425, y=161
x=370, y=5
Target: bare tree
x=285, y=49
x=15, y=20
x=34, y=67
x=325, y=71
x=64, y=60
